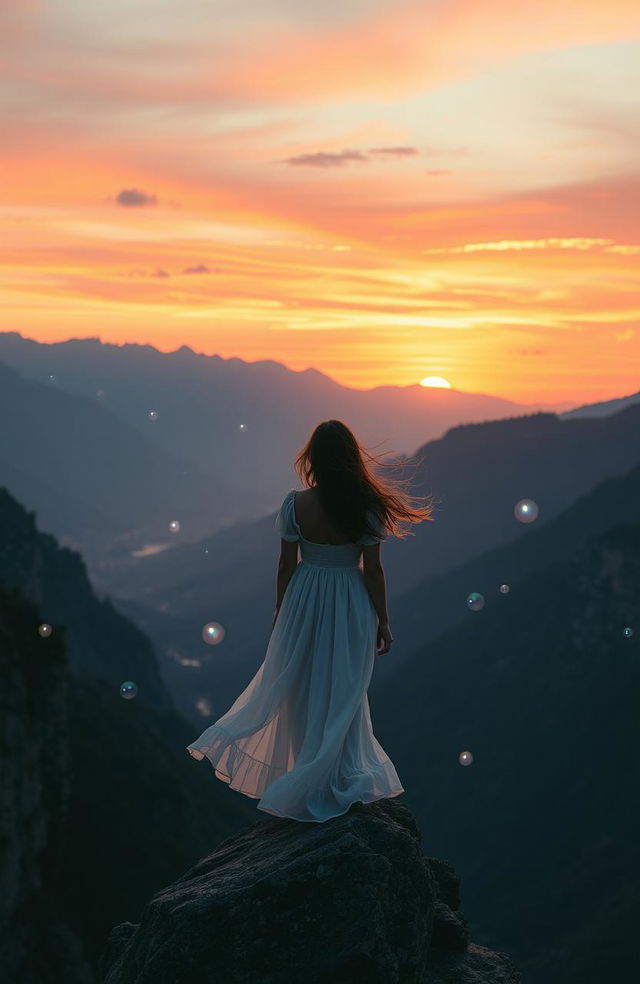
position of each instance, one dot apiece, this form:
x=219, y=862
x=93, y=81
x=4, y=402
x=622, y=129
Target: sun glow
x=360, y=202
x=436, y=381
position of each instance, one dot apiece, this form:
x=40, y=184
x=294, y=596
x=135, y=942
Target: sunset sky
x=383, y=190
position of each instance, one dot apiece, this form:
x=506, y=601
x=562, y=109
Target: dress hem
x=229, y=779
x=286, y=816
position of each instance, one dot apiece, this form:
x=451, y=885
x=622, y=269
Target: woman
x=299, y=737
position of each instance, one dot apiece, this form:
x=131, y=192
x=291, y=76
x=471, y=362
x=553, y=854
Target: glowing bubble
x=526, y=510
x=504, y=589
x=628, y=632
x=203, y=706
x=152, y=415
x=51, y=376
x=206, y=550
x=45, y=630
x=475, y=601
x=465, y=758
x=128, y=689
x=242, y=427
x=174, y=526
x=213, y=633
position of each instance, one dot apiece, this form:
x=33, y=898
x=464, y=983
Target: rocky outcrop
x=37, y=945
x=82, y=771
x=354, y=899
x=100, y=642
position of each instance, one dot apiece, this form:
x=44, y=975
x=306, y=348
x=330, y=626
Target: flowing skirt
x=299, y=738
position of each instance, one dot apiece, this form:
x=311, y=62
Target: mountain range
x=539, y=686
x=477, y=474
x=214, y=436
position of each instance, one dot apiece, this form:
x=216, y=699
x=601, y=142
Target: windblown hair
x=334, y=462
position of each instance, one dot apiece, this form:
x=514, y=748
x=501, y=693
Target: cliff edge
x=354, y=899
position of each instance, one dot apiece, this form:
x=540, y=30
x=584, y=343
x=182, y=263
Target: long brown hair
x=334, y=462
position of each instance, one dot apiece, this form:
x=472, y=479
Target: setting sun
x=436, y=381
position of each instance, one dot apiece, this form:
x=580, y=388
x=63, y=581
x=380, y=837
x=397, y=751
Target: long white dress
x=299, y=737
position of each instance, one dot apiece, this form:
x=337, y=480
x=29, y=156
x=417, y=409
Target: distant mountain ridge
x=224, y=435
x=435, y=604
x=478, y=471
x=99, y=483
x=604, y=409
x=202, y=401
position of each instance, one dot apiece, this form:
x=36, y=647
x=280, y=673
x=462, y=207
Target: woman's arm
x=376, y=585
x=285, y=573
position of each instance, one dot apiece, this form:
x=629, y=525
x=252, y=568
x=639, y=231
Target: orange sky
x=383, y=192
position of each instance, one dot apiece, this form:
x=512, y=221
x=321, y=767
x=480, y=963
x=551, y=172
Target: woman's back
x=313, y=522
x=299, y=738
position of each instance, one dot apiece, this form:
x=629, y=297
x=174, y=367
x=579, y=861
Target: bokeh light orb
x=213, y=633
x=465, y=758
x=504, y=589
x=152, y=415
x=128, y=689
x=526, y=510
x=242, y=427
x=174, y=526
x=627, y=632
x=475, y=601
x=45, y=630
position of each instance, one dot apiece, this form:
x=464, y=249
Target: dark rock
x=99, y=641
x=37, y=945
x=350, y=900
x=81, y=770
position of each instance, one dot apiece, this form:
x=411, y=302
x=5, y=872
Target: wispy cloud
x=342, y=157
x=395, y=151
x=520, y=244
x=324, y=159
x=134, y=197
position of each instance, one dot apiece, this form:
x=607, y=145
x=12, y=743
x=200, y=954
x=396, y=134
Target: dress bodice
x=323, y=554
x=330, y=554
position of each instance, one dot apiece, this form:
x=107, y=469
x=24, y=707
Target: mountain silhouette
x=236, y=421
x=102, y=485
x=100, y=810
x=541, y=686
x=602, y=409
x=98, y=807
x=426, y=611
x=476, y=472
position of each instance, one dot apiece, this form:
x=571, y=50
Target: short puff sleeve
x=381, y=531
x=285, y=520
